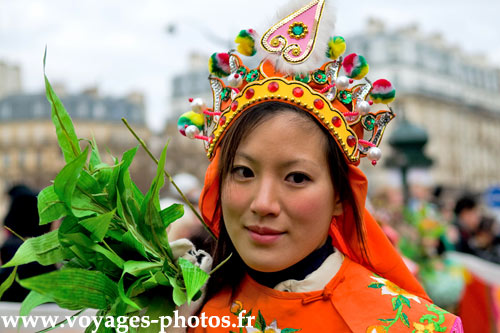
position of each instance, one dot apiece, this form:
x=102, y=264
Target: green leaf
x=289, y=330
x=375, y=285
x=65, y=131
x=171, y=213
x=138, y=268
x=33, y=300
x=95, y=157
x=87, y=243
x=404, y=319
x=65, y=181
x=194, y=277
x=396, y=303
x=98, y=225
x=386, y=320
x=50, y=208
x=178, y=295
x=261, y=322
x=405, y=300
x=131, y=241
x=157, y=307
x=8, y=282
x=152, y=227
x=75, y=289
x=44, y=249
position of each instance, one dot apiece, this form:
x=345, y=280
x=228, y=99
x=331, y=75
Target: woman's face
x=278, y=200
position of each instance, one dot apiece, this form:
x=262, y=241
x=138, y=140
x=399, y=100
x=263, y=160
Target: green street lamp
x=408, y=141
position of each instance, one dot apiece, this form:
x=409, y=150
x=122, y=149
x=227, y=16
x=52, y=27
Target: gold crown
x=342, y=104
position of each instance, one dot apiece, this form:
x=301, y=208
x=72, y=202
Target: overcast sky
x=121, y=46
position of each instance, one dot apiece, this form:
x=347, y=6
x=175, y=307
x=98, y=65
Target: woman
x=285, y=198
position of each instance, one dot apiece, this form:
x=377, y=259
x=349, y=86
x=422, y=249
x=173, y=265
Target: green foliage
x=112, y=241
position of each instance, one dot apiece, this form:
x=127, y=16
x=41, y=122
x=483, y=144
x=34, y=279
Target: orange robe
x=355, y=300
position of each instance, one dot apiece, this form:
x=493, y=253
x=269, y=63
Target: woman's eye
x=297, y=178
x=242, y=172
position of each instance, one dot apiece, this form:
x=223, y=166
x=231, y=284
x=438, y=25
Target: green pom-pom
x=218, y=64
x=336, y=47
x=246, y=42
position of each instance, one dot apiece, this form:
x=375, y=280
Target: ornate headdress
x=336, y=93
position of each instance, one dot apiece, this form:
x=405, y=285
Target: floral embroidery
x=260, y=325
x=400, y=299
x=434, y=321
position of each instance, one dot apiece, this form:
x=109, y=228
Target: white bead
x=198, y=105
x=234, y=80
x=342, y=82
x=374, y=153
x=192, y=131
x=363, y=107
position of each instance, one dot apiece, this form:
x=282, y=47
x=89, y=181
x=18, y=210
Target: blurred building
x=29, y=152
x=454, y=96
x=10, y=79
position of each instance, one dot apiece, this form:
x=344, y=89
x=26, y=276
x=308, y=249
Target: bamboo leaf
x=65, y=131
x=136, y=267
x=87, y=243
x=8, y=282
x=50, y=208
x=171, y=214
x=44, y=249
x=194, y=277
x=98, y=225
x=65, y=181
x=404, y=319
x=152, y=227
x=33, y=300
x=75, y=289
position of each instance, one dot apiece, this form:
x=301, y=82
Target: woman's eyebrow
x=245, y=156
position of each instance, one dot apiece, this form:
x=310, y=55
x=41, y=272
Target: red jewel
x=370, y=102
x=211, y=138
x=319, y=104
x=351, y=141
x=222, y=120
x=336, y=121
x=298, y=92
x=374, y=162
x=273, y=87
x=249, y=94
x=234, y=105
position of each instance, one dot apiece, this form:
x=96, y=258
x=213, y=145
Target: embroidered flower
x=236, y=307
x=389, y=288
x=376, y=329
x=421, y=328
x=272, y=328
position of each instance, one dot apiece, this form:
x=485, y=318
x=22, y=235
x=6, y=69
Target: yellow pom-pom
x=336, y=47
x=246, y=42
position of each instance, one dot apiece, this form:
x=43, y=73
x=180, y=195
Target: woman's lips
x=264, y=235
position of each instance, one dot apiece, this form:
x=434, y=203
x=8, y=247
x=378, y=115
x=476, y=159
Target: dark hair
x=231, y=273
x=466, y=202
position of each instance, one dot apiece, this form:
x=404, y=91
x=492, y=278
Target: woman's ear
x=338, y=209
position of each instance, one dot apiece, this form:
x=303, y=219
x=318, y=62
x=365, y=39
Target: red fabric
x=476, y=309
x=383, y=257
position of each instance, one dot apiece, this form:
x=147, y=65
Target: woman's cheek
x=307, y=204
x=234, y=199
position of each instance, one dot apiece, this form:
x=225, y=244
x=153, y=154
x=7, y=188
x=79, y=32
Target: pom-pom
x=336, y=47
x=355, y=66
x=235, y=80
x=188, y=119
x=198, y=105
x=246, y=42
x=382, y=92
x=218, y=64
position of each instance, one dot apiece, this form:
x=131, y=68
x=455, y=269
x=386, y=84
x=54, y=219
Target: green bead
x=252, y=75
x=345, y=97
x=297, y=30
x=225, y=94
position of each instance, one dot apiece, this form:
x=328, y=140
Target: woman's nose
x=266, y=199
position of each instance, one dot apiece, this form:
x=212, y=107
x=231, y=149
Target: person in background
x=22, y=218
x=467, y=220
